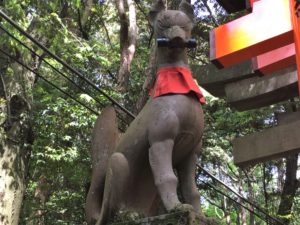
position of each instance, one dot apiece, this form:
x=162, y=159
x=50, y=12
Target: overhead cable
x=232, y=199
x=23, y=32
x=45, y=61
x=240, y=196
x=56, y=70
x=4, y=16
x=47, y=81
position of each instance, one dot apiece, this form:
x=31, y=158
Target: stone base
x=176, y=218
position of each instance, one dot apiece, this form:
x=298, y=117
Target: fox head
x=173, y=26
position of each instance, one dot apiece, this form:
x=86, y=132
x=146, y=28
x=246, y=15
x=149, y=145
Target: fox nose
x=175, y=37
x=176, y=34
x=177, y=42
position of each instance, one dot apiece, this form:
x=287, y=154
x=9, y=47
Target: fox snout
x=176, y=34
x=175, y=37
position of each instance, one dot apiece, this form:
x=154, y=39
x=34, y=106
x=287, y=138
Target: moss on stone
x=174, y=218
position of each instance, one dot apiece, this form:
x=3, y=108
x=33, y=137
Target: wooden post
x=295, y=17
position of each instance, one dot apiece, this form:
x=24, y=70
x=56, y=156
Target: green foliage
x=222, y=126
x=60, y=164
x=62, y=139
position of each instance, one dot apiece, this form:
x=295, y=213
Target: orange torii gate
x=270, y=34
x=264, y=42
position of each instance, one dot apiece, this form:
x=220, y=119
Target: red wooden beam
x=267, y=28
x=250, y=3
x=275, y=60
x=295, y=18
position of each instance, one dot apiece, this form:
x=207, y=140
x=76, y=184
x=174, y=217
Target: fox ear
x=187, y=8
x=156, y=8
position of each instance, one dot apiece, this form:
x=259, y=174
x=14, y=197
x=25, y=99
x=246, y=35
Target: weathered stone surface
x=213, y=79
x=287, y=117
x=141, y=167
x=176, y=218
x=267, y=145
x=262, y=91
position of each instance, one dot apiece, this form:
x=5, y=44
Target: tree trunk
x=224, y=201
x=266, y=195
x=251, y=196
x=289, y=189
x=243, y=216
x=83, y=18
x=226, y=211
x=150, y=75
x=237, y=209
x=41, y=196
x=128, y=35
x=242, y=211
x=15, y=139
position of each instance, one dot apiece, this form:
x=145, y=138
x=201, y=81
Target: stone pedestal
x=176, y=218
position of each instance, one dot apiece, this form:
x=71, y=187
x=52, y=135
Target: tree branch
x=128, y=35
x=107, y=33
x=132, y=31
x=210, y=12
x=83, y=18
x=6, y=99
x=149, y=81
x=213, y=203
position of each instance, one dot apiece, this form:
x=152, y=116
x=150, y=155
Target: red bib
x=176, y=80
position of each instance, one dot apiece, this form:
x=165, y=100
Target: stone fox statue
x=137, y=171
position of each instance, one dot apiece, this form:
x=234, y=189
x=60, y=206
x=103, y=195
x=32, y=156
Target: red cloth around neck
x=176, y=80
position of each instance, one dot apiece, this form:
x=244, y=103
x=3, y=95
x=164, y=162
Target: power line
x=4, y=16
x=56, y=70
x=232, y=199
x=42, y=59
x=47, y=81
x=58, y=88
x=240, y=196
x=23, y=32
